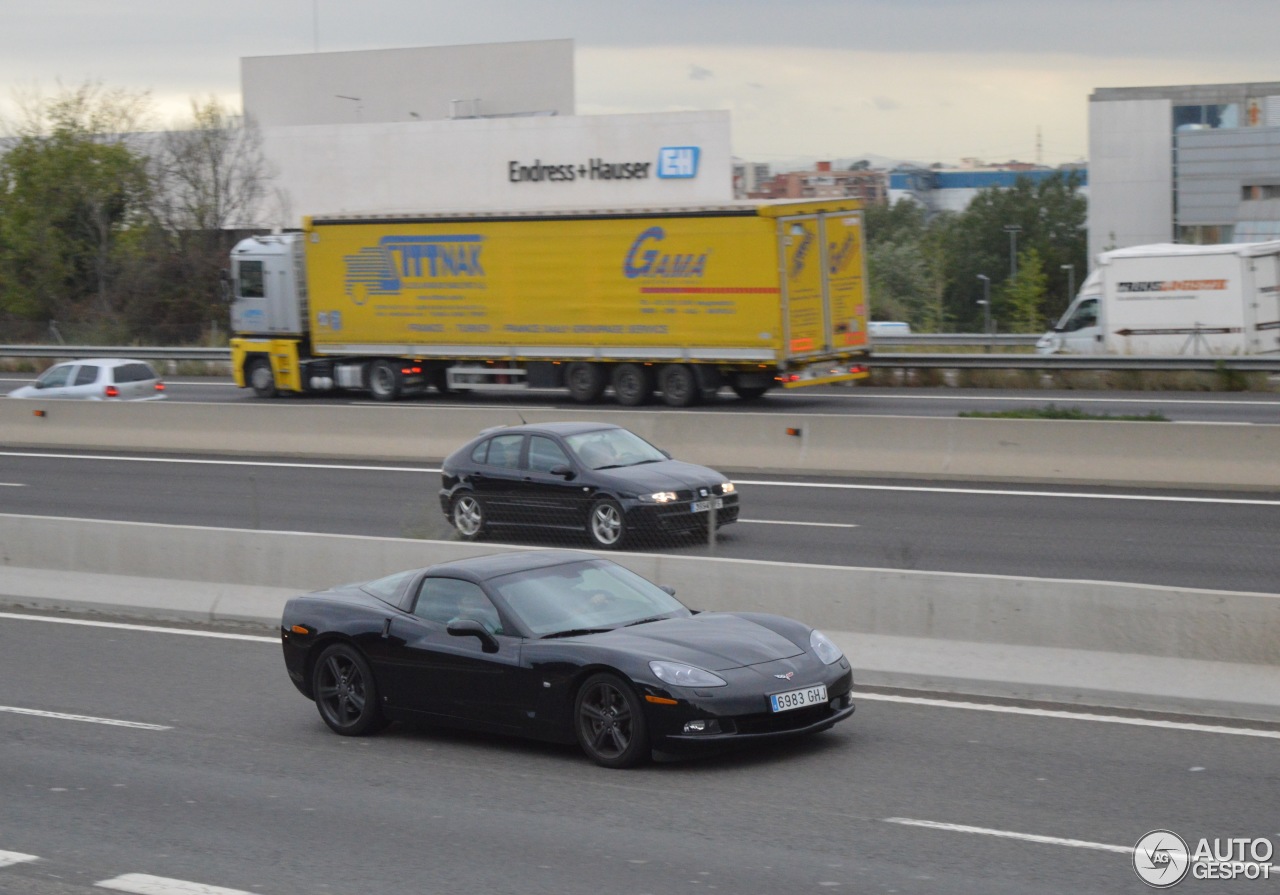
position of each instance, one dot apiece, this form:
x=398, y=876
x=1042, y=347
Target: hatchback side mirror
x=565, y=472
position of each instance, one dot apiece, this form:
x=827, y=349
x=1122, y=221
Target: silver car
x=97, y=379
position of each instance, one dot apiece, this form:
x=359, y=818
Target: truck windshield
x=1085, y=314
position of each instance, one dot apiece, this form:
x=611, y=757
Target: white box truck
x=1166, y=300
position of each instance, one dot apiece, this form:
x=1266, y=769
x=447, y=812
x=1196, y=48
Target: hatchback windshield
x=590, y=595
x=611, y=448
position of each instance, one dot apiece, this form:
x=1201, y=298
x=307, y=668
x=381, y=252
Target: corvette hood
x=668, y=475
x=714, y=641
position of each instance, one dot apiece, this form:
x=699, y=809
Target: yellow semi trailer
x=676, y=302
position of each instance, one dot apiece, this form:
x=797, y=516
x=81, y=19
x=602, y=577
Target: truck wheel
x=633, y=384
x=750, y=392
x=260, y=377
x=384, y=380
x=440, y=381
x=679, y=385
x=585, y=382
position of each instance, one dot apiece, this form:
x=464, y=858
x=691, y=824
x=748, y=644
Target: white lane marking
x=12, y=485
x=142, y=884
x=1028, y=399
x=999, y=492
x=875, y=697
x=155, y=629
x=829, y=486
x=810, y=524
x=1009, y=834
x=1071, y=716
x=8, y=858
x=200, y=462
x=88, y=719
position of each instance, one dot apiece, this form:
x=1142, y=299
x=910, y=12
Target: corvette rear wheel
x=609, y=722
x=345, y=692
x=468, y=517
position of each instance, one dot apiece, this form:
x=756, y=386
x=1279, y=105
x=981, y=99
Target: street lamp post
x=1013, y=230
x=985, y=301
x=1071, y=282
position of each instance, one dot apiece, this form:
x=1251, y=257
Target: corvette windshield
x=611, y=448
x=584, y=596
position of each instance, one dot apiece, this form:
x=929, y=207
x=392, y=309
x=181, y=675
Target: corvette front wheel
x=609, y=722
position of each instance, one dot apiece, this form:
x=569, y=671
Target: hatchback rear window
x=134, y=373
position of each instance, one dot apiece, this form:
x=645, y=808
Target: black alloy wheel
x=609, y=722
x=633, y=384
x=345, y=692
x=385, y=382
x=468, y=517
x=585, y=382
x=260, y=377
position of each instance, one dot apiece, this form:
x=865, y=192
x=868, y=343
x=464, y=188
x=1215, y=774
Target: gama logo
x=646, y=258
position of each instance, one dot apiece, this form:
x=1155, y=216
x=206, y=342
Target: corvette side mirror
x=469, y=627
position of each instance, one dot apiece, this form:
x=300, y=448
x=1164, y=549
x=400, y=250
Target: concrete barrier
x=1143, y=646
x=1194, y=455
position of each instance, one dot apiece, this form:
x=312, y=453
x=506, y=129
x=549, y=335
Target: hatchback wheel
x=468, y=517
x=609, y=722
x=607, y=526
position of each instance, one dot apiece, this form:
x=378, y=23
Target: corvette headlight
x=727, y=488
x=822, y=646
x=660, y=497
x=681, y=675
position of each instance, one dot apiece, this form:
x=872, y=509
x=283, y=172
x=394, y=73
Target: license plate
x=798, y=699
x=703, y=506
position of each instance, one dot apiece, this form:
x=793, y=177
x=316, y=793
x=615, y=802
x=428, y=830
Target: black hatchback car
x=595, y=478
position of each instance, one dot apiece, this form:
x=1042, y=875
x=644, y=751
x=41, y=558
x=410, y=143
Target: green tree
x=1024, y=295
x=70, y=183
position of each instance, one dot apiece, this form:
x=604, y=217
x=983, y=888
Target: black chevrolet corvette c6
x=595, y=478
x=559, y=645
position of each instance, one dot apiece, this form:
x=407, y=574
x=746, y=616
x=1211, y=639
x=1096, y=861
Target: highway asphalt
x=1217, y=541
x=227, y=778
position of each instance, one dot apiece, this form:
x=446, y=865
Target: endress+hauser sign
x=673, y=163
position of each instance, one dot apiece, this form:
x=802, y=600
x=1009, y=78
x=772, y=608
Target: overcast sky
x=926, y=80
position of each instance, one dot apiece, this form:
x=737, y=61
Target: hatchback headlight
x=822, y=646
x=727, y=488
x=659, y=497
x=681, y=675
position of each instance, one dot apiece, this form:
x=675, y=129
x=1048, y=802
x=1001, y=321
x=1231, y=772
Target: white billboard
x=525, y=163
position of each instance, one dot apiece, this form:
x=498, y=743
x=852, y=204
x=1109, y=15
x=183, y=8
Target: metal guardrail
x=1006, y=340
x=993, y=361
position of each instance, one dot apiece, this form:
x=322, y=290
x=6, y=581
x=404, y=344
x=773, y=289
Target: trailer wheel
x=384, y=380
x=750, y=392
x=260, y=377
x=585, y=382
x=679, y=385
x=633, y=384
x=440, y=381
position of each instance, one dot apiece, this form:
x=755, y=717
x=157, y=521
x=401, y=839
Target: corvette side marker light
x=299, y=629
x=659, y=700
